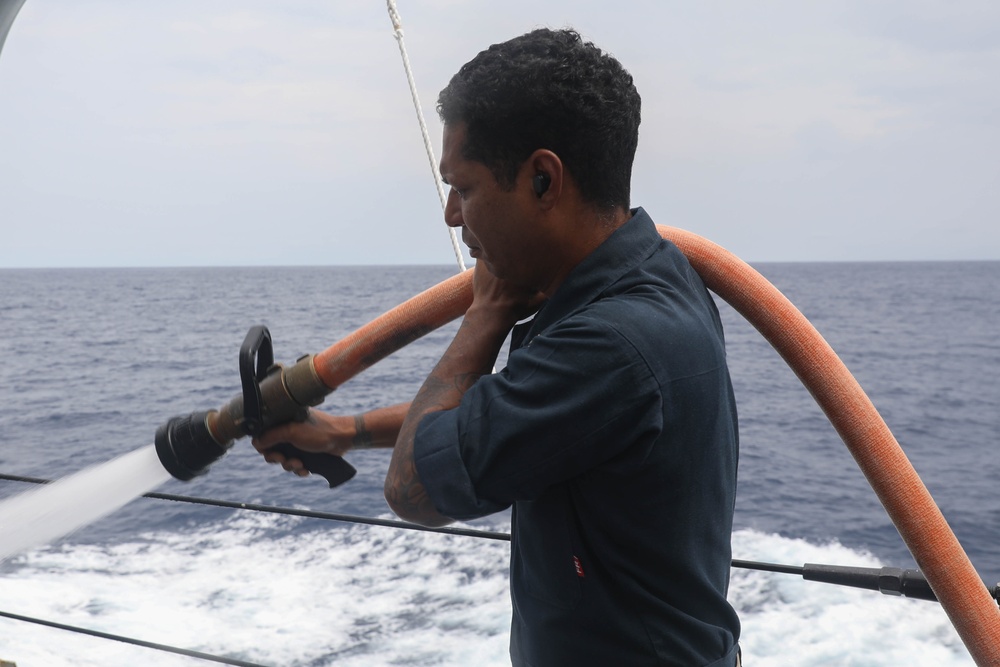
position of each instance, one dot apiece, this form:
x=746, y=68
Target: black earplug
x=541, y=183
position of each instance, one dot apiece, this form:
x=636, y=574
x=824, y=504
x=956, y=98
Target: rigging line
x=129, y=640
x=397, y=31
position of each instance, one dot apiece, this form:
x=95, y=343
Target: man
x=612, y=431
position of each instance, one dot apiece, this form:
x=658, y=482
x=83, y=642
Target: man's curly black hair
x=549, y=89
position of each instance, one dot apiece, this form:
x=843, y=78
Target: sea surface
x=93, y=360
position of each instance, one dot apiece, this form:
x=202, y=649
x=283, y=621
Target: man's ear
x=546, y=174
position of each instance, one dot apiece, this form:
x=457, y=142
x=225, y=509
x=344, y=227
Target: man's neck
x=583, y=233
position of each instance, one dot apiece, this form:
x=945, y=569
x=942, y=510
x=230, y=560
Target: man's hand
x=501, y=299
x=324, y=433
x=320, y=433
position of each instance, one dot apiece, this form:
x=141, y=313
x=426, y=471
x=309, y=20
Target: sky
x=282, y=132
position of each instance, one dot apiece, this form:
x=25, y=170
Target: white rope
x=397, y=27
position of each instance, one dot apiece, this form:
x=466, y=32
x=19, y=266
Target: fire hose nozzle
x=186, y=447
x=272, y=395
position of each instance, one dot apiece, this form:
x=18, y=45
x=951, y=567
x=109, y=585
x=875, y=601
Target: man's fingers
x=271, y=437
x=272, y=456
x=289, y=464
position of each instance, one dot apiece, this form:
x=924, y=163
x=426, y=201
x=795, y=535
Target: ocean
x=93, y=360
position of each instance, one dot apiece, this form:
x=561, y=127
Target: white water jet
x=51, y=511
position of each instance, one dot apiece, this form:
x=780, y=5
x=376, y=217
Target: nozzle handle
x=330, y=466
x=256, y=360
x=256, y=347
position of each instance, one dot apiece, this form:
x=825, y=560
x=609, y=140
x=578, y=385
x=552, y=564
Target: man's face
x=496, y=224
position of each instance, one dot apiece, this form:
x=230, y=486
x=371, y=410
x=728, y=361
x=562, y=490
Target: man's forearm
x=379, y=428
x=471, y=355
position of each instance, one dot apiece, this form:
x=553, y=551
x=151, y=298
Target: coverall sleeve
x=570, y=400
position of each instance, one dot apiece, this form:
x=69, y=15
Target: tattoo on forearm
x=463, y=364
x=362, y=436
x=408, y=496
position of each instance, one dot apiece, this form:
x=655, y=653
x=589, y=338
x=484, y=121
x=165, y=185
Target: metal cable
x=292, y=511
x=136, y=642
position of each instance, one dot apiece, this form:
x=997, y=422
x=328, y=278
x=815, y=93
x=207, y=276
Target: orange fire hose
x=394, y=329
x=916, y=516
x=934, y=546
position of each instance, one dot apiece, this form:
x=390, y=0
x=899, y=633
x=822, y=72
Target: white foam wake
x=790, y=621
x=265, y=590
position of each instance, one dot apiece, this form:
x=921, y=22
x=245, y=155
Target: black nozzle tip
x=186, y=447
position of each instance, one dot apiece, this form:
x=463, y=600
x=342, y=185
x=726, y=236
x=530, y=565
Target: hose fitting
x=186, y=447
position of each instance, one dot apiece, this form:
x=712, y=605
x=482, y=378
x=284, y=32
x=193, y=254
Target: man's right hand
x=320, y=433
x=323, y=433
